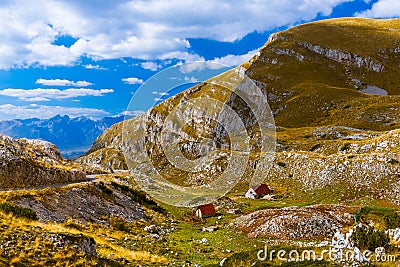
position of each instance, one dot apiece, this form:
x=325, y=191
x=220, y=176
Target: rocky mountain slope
x=73, y=136
x=53, y=214
x=335, y=105
x=318, y=221
x=92, y=202
x=336, y=163
x=29, y=163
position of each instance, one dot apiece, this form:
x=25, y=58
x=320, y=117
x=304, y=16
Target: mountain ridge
x=312, y=79
x=73, y=136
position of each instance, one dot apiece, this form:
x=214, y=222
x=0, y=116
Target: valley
x=335, y=170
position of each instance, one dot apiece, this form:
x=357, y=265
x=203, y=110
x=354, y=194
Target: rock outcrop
x=345, y=57
x=28, y=164
x=318, y=221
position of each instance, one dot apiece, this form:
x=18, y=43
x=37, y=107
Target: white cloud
x=191, y=79
x=132, y=80
x=160, y=93
x=40, y=94
x=149, y=65
x=382, y=9
x=133, y=113
x=95, y=67
x=35, y=99
x=185, y=56
x=158, y=99
x=199, y=66
x=234, y=60
x=9, y=111
x=149, y=30
x=62, y=82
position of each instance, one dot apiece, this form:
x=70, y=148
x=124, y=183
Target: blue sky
x=87, y=58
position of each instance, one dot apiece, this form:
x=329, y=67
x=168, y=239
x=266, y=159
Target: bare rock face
x=34, y=163
x=83, y=244
x=317, y=221
x=345, y=57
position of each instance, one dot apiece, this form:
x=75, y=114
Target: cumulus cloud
x=149, y=30
x=234, y=60
x=199, y=66
x=132, y=80
x=40, y=94
x=95, y=67
x=149, y=65
x=382, y=9
x=62, y=82
x=8, y=111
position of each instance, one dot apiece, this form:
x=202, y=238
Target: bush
x=392, y=220
x=382, y=216
x=281, y=164
x=104, y=188
x=73, y=225
x=370, y=238
x=18, y=211
x=345, y=147
x=140, y=197
x=120, y=224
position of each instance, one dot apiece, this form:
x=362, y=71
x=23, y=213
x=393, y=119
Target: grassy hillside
x=314, y=73
x=314, y=76
x=337, y=163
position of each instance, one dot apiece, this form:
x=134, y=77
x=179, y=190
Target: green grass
x=377, y=215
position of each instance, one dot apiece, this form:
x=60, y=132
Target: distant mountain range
x=73, y=136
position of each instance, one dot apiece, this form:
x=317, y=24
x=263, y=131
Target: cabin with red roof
x=258, y=191
x=206, y=210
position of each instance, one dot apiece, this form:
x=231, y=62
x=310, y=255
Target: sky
x=88, y=58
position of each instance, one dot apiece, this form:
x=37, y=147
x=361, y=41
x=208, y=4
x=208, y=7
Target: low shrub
x=367, y=237
x=120, y=224
x=18, y=211
x=281, y=164
x=140, y=197
x=392, y=220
